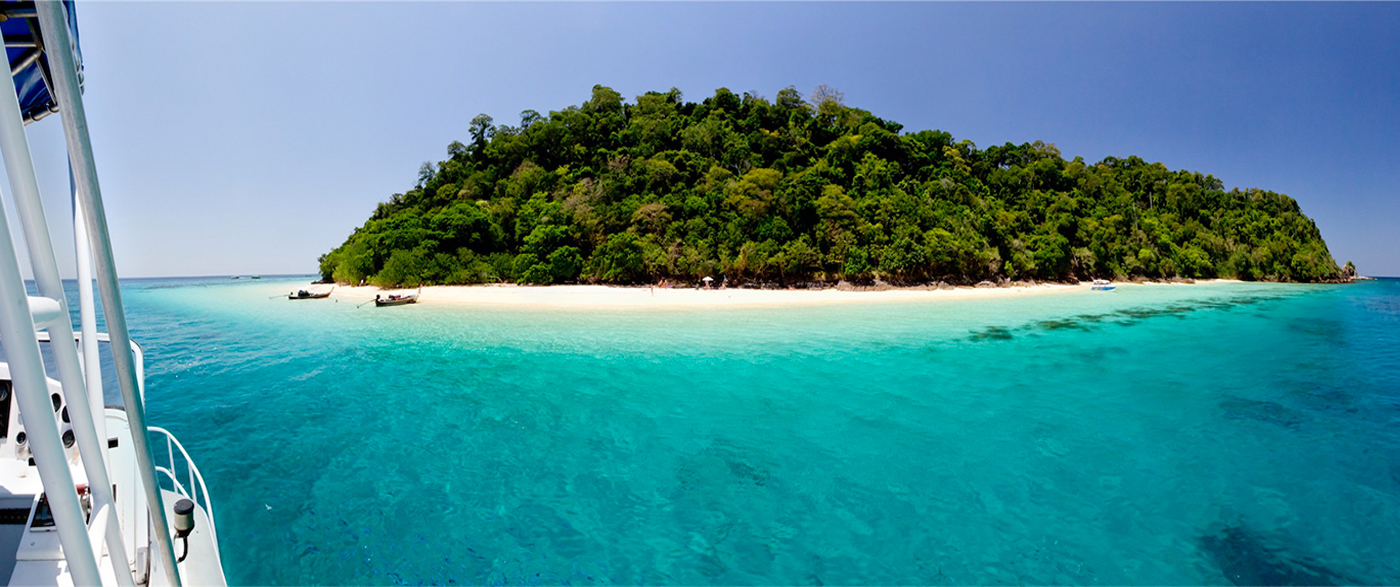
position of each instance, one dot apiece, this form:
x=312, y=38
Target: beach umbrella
x=708, y=279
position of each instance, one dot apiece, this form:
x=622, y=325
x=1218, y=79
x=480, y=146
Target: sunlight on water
x=1223, y=433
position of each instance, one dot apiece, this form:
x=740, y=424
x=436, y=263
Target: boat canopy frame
x=29, y=66
x=46, y=78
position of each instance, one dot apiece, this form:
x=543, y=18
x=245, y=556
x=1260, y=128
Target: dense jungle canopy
x=797, y=191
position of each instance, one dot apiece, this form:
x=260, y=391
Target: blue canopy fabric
x=20, y=27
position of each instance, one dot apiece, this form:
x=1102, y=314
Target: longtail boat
x=395, y=300
x=302, y=294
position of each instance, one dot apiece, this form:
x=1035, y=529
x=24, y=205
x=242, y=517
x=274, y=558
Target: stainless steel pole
x=19, y=167
x=59, y=50
x=87, y=315
x=32, y=392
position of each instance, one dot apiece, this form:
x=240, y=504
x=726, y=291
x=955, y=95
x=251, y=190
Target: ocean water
x=1212, y=434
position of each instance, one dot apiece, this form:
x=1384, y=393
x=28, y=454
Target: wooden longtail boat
x=302, y=294
x=395, y=300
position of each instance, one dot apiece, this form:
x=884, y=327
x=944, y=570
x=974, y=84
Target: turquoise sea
x=1216, y=434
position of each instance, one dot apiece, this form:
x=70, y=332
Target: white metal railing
x=17, y=327
x=21, y=315
x=77, y=367
x=196, y=491
x=66, y=89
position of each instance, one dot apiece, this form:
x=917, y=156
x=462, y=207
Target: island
x=804, y=192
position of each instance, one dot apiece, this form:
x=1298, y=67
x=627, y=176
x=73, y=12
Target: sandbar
x=618, y=297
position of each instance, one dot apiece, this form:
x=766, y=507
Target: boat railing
x=57, y=75
x=194, y=488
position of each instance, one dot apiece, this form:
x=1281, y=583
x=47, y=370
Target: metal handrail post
x=19, y=167
x=87, y=315
x=54, y=26
x=32, y=392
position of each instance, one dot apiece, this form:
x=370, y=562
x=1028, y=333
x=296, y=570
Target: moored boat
x=302, y=294
x=1102, y=285
x=395, y=300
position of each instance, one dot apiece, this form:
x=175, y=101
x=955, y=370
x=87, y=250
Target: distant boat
x=302, y=294
x=255, y=277
x=395, y=300
x=1102, y=285
x=234, y=277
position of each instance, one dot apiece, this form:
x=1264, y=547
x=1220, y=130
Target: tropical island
x=804, y=192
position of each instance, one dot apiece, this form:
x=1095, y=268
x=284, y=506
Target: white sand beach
x=602, y=296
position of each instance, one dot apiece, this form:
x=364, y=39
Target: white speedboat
x=1102, y=285
x=89, y=493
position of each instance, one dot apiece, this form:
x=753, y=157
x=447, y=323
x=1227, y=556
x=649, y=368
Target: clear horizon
x=222, y=153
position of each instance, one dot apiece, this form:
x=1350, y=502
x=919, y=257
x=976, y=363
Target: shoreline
x=638, y=297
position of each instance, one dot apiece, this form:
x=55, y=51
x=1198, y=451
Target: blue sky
x=252, y=137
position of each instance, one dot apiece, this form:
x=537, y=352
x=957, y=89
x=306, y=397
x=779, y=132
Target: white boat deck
x=30, y=556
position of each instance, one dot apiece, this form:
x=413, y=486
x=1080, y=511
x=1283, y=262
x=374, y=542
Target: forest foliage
x=798, y=191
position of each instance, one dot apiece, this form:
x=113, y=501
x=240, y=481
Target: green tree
x=803, y=190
